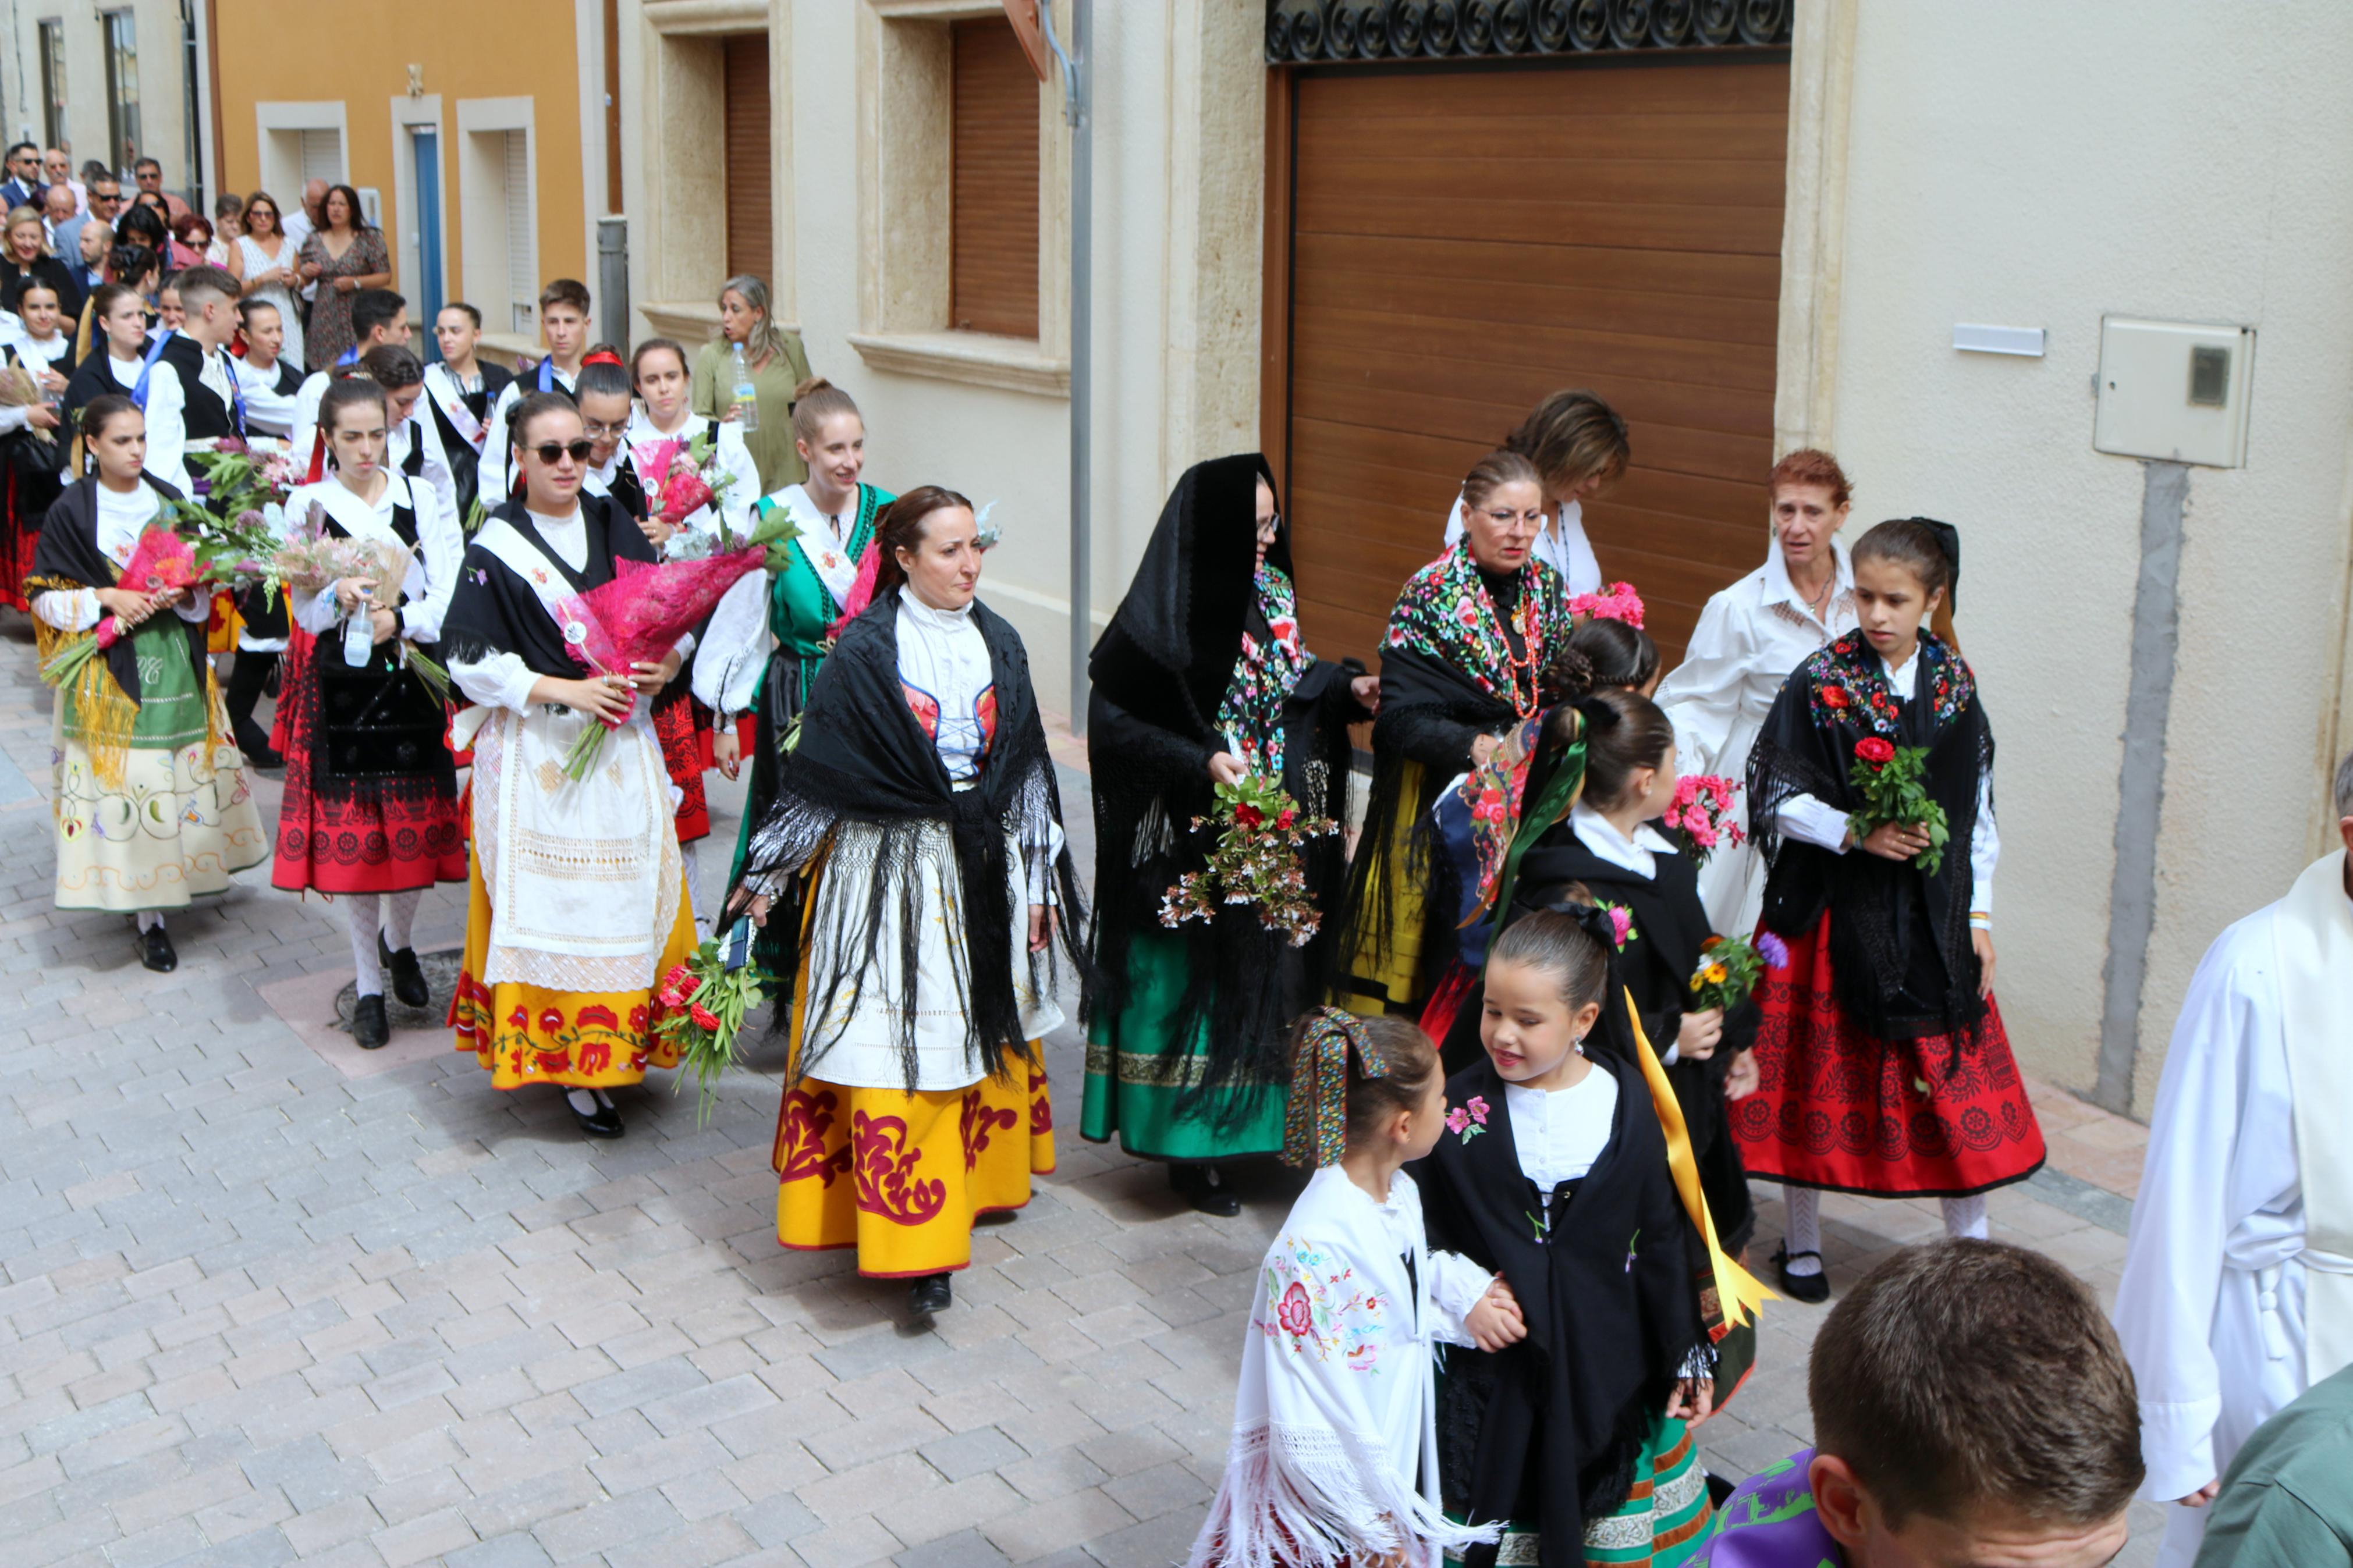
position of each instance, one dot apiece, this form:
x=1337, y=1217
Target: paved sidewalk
x=256, y=1309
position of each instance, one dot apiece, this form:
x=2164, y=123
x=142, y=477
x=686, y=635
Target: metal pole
x=1078, y=104
x=613, y=276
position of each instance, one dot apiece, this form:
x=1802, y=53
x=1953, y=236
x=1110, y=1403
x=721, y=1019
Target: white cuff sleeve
x=1809, y=821
x=501, y=680
x=69, y=610
x=1455, y=1286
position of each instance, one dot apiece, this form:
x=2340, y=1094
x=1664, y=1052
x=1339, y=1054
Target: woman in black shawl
x=1201, y=680
x=921, y=804
x=1465, y=657
x=1884, y=1064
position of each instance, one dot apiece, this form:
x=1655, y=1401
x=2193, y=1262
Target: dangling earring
x=1577, y=1045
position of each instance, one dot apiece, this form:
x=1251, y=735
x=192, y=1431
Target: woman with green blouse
x=762, y=652
x=778, y=366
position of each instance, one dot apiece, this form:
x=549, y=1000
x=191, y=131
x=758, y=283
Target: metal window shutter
x=522, y=261
x=323, y=156
x=1460, y=243
x=751, y=212
x=993, y=190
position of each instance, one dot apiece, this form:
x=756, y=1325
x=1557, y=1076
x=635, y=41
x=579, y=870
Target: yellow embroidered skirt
x=529, y=1034
x=901, y=1176
x=180, y=822
x=1380, y=981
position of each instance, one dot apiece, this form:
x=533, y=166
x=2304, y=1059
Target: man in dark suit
x=22, y=188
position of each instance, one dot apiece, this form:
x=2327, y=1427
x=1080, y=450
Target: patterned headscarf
x=1446, y=613
x=1316, y=1122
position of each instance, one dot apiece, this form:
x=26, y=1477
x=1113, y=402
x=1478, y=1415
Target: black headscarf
x=862, y=758
x=1160, y=672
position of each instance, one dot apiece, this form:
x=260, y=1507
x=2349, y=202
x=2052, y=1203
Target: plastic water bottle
x=747, y=397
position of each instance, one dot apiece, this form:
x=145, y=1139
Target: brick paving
x=257, y=1308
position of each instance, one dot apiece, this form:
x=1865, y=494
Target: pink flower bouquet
x=637, y=618
x=160, y=563
x=1701, y=814
x=1618, y=601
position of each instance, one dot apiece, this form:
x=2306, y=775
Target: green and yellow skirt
x=1138, y=1071
x=1663, y=1523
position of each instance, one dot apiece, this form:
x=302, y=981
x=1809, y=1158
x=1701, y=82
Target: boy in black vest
x=189, y=387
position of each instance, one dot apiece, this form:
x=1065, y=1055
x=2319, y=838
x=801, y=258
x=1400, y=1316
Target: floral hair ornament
x=1315, y=1121
x=1618, y=601
x=985, y=535
x=604, y=356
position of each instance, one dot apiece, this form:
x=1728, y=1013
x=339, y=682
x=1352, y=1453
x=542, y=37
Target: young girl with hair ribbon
x=1334, y=1454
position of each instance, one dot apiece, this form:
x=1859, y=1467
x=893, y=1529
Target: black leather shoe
x=929, y=1295
x=605, y=1121
x=156, y=951
x=369, y=1028
x=1206, y=1189
x=1810, y=1289
x=407, y=974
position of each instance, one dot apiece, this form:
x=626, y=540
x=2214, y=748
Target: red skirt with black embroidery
x=1842, y=1109
x=681, y=728
x=20, y=537
x=387, y=834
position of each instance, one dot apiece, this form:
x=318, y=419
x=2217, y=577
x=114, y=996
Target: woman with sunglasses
x=1202, y=680
x=1468, y=655
x=563, y=950
x=263, y=260
x=371, y=805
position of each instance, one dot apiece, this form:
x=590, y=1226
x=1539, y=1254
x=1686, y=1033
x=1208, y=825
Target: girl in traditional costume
x=152, y=806
x=1553, y=1174
x=1884, y=1065
x=1201, y=680
x=920, y=804
x=371, y=806
x=576, y=897
x=769, y=636
x=32, y=453
x=1465, y=659
x=1334, y=1456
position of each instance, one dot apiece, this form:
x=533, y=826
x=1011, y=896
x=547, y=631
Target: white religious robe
x=1335, y=1444
x=1749, y=639
x=2211, y=1304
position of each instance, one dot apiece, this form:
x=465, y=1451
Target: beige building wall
x=2027, y=165
x=164, y=111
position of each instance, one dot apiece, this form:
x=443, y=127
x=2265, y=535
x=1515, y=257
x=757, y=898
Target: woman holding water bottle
x=746, y=376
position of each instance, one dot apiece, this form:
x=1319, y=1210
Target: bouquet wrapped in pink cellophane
x=160, y=563
x=637, y=618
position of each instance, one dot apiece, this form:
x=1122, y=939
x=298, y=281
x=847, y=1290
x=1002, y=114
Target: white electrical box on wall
x=2174, y=390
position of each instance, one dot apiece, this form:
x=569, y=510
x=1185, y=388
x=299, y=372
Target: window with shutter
x=121, y=41
x=993, y=197
x=53, y=81
x=323, y=156
x=522, y=257
x=751, y=214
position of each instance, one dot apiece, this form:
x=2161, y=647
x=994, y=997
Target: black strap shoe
x=605, y=1121
x=1811, y=1288
x=156, y=951
x=929, y=1295
x=407, y=974
x=369, y=1026
x=1206, y=1189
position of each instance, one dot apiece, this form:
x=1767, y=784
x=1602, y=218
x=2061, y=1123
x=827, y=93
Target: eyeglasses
x=1504, y=517
x=548, y=451
x=604, y=431
x=1271, y=527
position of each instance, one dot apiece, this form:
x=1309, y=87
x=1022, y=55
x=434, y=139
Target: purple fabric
x=1769, y=1522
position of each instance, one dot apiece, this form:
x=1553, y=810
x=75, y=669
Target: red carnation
x=1875, y=751
x=1286, y=819
x=1249, y=816
x=1834, y=697
x=704, y=1018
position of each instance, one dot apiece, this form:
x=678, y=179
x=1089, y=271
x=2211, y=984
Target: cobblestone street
x=265, y=1299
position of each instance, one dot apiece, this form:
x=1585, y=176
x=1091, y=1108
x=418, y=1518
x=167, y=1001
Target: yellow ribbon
x=1739, y=1293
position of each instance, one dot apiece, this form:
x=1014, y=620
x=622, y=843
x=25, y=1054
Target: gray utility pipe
x=1078, y=108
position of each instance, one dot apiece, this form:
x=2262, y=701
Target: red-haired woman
x=921, y=803
x=1749, y=637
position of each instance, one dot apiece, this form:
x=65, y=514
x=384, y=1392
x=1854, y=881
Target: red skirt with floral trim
x=1839, y=1109
x=685, y=754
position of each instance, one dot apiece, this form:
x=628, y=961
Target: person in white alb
x=1749, y=639
x=2237, y=1292
x=1578, y=444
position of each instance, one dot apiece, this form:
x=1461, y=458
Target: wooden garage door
x=1460, y=242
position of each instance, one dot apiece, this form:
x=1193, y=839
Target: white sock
x=1965, y=1216
x=361, y=913
x=582, y=1100
x=400, y=917
x=150, y=919
x=686, y=853
x=1805, y=1228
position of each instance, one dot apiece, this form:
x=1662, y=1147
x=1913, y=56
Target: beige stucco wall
x=2029, y=165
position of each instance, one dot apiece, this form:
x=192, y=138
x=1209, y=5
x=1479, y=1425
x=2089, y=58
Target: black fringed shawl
x=864, y=758
x=68, y=557
x=494, y=611
x=1900, y=951
x=1554, y=1424
x=1160, y=672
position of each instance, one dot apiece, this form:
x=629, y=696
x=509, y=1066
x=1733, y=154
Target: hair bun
x=1572, y=674
x=1598, y=715
x=813, y=383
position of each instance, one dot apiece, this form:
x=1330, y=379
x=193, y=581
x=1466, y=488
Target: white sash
x=2314, y=933
x=443, y=386
x=583, y=876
